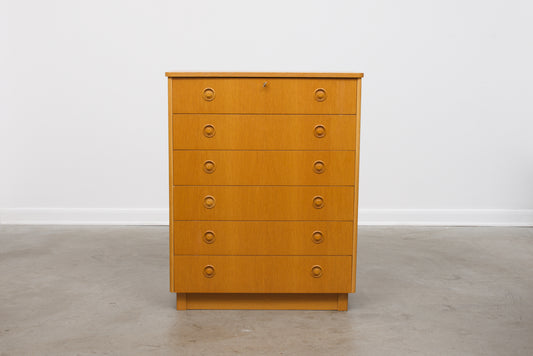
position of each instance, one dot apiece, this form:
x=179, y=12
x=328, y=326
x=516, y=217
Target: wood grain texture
x=170, y=184
x=264, y=132
x=263, y=203
x=260, y=75
x=263, y=96
x=263, y=167
x=263, y=238
x=181, y=301
x=265, y=301
x=342, y=302
x=356, y=190
x=262, y=274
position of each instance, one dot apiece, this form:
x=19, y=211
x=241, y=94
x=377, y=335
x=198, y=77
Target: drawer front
x=264, y=95
x=263, y=203
x=263, y=238
x=264, y=132
x=262, y=274
x=264, y=167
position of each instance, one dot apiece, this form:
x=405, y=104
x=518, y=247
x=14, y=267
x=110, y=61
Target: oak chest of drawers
x=263, y=189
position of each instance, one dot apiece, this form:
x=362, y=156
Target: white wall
x=447, y=122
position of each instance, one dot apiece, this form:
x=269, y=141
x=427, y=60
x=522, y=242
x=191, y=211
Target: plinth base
x=285, y=301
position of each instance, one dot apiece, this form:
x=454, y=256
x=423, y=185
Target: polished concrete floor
x=81, y=290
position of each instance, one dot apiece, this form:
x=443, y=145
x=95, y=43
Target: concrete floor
x=421, y=291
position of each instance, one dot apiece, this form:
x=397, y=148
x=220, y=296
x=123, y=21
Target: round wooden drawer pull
x=209, y=271
x=209, y=237
x=320, y=94
x=209, y=202
x=209, y=167
x=209, y=131
x=318, y=237
x=320, y=131
x=316, y=271
x=319, y=167
x=318, y=202
x=208, y=94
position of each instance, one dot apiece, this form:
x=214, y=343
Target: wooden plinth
x=294, y=301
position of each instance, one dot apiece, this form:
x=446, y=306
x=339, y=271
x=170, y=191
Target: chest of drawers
x=264, y=174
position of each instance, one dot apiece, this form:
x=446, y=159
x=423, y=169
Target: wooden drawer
x=263, y=203
x=263, y=238
x=264, y=132
x=264, y=95
x=264, y=167
x=262, y=274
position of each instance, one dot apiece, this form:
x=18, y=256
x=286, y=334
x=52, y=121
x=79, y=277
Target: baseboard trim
x=78, y=216
x=447, y=217
x=422, y=217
